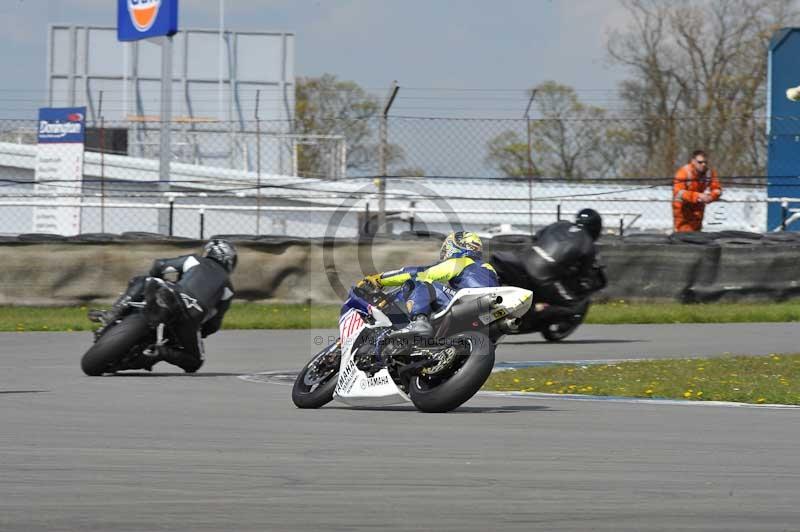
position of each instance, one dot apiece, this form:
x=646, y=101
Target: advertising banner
x=59, y=170
x=143, y=19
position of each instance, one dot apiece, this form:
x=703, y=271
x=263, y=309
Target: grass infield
x=772, y=379
x=288, y=316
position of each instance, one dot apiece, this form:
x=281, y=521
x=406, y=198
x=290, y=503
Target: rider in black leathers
x=197, y=301
x=561, y=267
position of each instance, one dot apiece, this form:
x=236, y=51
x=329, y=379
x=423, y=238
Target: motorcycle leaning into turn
x=438, y=374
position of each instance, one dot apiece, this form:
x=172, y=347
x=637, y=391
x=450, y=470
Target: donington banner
x=59, y=170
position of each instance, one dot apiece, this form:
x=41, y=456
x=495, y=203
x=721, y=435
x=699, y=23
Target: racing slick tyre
x=114, y=345
x=447, y=389
x=557, y=331
x=316, y=382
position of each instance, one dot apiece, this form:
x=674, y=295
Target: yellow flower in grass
x=649, y=391
x=699, y=394
x=687, y=394
x=516, y=381
x=549, y=383
x=776, y=357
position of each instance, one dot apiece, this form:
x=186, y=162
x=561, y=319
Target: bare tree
x=697, y=80
x=567, y=141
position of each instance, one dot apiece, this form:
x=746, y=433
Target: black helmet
x=221, y=251
x=590, y=220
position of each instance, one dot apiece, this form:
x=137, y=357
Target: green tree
x=328, y=106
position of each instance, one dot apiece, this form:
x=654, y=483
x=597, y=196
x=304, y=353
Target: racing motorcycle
x=132, y=341
x=555, y=321
x=363, y=368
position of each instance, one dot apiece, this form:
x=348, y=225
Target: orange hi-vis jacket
x=687, y=210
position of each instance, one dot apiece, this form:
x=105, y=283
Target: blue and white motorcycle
x=363, y=368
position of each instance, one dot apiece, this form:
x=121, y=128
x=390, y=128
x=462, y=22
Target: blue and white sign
x=62, y=124
x=143, y=19
x=59, y=170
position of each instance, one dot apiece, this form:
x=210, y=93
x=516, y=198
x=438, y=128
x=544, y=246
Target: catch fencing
x=434, y=175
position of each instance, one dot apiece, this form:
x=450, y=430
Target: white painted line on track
x=286, y=378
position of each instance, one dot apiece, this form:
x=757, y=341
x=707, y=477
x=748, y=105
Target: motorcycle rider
x=197, y=300
x=560, y=267
x=429, y=288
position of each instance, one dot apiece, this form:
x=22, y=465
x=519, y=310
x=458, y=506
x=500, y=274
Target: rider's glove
x=373, y=280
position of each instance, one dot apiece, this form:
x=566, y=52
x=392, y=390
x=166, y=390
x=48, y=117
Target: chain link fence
x=266, y=178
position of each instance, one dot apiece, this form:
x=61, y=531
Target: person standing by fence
x=695, y=184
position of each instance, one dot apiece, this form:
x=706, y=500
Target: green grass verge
x=624, y=312
x=240, y=316
x=771, y=379
x=286, y=316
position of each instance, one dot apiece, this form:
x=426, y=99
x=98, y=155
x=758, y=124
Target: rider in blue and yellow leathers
x=429, y=288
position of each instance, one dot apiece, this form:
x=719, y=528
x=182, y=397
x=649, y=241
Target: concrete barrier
x=71, y=272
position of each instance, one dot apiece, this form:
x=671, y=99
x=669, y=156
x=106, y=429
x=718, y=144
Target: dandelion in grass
x=687, y=394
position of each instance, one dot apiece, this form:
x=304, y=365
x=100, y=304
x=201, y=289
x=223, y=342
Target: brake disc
x=443, y=360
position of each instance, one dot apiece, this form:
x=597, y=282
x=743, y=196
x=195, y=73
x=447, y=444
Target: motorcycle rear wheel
x=106, y=353
x=443, y=393
x=316, y=382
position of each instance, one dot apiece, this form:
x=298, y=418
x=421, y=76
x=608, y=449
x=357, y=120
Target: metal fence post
x=202, y=222
x=529, y=161
x=165, y=147
x=171, y=213
x=102, y=165
x=258, y=165
x=383, y=148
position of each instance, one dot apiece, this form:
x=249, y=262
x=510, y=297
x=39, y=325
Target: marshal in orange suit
x=695, y=184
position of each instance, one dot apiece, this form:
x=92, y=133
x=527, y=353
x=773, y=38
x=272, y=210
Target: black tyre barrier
x=740, y=235
x=513, y=239
x=424, y=235
x=236, y=237
x=698, y=238
x=40, y=237
x=96, y=237
x=140, y=235
x=782, y=236
x=739, y=242
x=646, y=238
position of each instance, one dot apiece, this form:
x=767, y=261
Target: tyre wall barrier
x=50, y=271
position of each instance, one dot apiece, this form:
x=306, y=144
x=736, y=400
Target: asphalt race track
x=212, y=452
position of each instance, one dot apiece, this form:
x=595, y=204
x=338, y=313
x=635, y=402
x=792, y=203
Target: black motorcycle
x=132, y=341
x=555, y=321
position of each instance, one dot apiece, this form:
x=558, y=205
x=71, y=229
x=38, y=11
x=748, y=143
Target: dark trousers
x=180, y=314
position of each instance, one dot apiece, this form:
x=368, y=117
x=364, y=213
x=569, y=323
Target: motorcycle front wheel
x=557, y=331
x=107, y=352
x=316, y=382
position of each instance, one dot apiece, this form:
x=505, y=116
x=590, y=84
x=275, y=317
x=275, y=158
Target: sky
x=446, y=55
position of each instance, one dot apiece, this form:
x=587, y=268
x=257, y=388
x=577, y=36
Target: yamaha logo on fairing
x=348, y=377
x=375, y=381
